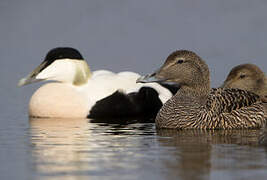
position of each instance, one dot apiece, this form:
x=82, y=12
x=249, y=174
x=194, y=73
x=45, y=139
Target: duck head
x=183, y=68
x=62, y=64
x=248, y=77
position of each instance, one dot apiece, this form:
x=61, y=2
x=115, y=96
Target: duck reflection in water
x=197, y=154
x=71, y=148
x=57, y=143
x=75, y=147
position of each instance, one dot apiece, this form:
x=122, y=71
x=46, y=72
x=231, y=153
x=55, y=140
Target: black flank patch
x=141, y=106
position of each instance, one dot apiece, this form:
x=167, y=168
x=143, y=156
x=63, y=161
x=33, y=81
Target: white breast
x=58, y=100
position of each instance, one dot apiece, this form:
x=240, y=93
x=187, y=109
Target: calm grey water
x=120, y=35
x=77, y=149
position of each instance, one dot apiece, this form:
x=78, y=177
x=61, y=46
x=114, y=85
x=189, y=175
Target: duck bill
x=154, y=78
x=28, y=80
x=150, y=78
x=31, y=78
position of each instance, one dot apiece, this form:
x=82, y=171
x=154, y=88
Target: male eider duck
x=196, y=105
x=78, y=93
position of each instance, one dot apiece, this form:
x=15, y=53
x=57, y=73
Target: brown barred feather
x=248, y=77
x=225, y=109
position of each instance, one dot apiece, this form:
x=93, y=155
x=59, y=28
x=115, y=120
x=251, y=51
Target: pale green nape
x=82, y=74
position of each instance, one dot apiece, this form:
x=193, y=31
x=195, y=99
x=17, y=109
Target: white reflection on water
x=59, y=143
x=77, y=149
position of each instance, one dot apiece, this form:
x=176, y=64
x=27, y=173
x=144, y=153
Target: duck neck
x=197, y=93
x=82, y=73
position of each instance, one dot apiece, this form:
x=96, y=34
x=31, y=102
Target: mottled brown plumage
x=196, y=106
x=248, y=77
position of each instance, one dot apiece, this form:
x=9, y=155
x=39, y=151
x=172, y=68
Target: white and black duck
x=79, y=93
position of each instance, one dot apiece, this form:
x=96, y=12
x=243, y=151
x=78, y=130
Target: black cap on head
x=63, y=53
x=59, y=53
x=53, y=55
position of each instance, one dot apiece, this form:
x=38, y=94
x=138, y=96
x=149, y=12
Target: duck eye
x=180, y=61
x=242, y=76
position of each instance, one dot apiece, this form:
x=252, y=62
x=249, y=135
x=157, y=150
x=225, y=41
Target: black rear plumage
x=144, y=103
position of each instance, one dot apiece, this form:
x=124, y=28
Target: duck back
x=224, y=109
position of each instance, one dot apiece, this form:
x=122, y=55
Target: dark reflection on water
x=233, y=154
x=124, y=121
x=78, y=149
x=263, y=138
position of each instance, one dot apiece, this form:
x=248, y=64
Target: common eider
x=78, y=93
x=196, y=105
x=248, y=77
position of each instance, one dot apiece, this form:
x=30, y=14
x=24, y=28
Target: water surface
x=77, y=149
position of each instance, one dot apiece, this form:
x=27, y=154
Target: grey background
x=118, y=35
